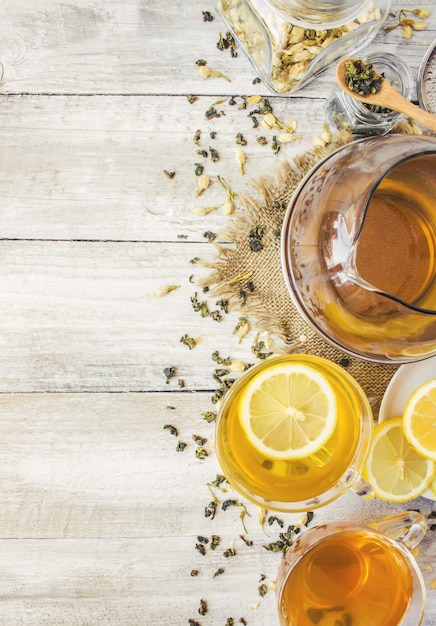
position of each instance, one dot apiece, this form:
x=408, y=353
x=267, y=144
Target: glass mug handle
x=408, y=528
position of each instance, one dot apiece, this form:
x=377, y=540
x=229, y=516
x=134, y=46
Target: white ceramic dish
x=404, y=382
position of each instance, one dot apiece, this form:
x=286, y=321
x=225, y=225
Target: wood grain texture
x=134, y=47
x=99, y=512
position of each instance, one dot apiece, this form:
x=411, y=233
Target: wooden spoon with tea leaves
x=357, y=78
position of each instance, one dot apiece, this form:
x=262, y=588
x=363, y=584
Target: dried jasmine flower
x=203, y=183
x=181, y=446
x=203, y=211
x=164, y=290
x=206, y=72
x=207, y=16
x=240, y=160
x=169, y=174
x=242, y=328
x=409, y=24
x=169, y=373
x=171, y=429
x=228, y=206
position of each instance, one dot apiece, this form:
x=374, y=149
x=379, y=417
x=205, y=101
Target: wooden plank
x=100, y=515
x=80, y=316
x=93, y=167
x=135, y=48
x=102, y=465
x=76, y=582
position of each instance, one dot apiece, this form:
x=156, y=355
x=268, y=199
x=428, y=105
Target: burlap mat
x=259, y=274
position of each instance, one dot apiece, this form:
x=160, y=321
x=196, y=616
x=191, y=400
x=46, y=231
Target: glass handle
x=363, y=488
x=409, y=527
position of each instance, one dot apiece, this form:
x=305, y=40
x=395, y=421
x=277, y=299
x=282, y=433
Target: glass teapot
x=359, y=248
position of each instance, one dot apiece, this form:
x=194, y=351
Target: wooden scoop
x=387, y=97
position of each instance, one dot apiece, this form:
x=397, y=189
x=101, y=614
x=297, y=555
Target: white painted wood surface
x=100, y=513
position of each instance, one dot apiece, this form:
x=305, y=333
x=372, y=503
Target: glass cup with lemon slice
x=293, y=432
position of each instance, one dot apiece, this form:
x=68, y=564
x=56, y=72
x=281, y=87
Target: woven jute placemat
x=253, y=282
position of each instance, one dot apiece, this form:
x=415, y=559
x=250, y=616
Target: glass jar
x=287, y=55
x=347, y=113
x=315, y=13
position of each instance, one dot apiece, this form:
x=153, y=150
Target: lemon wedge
x=395, y=470
x=288, y=411
x=419, y=419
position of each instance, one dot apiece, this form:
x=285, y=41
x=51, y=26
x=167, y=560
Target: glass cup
x=351, y=574
x=292, y=485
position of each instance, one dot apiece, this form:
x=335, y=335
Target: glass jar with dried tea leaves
x=362, y=119
x=290, y=47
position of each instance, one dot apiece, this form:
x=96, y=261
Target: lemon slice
x=288, y=411
x=395, y=470
x=419, y=419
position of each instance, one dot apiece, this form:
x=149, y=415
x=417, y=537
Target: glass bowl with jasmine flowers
x=290, y=42
x=363, y=119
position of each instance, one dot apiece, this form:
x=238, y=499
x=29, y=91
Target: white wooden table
x=100, y=513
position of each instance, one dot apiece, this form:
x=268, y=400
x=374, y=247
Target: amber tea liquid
x=397, y=247
x=354, y=578
x=279, y=482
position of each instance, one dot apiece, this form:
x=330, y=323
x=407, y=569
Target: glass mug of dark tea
x=354, y=575
x=359, y=248
x=293, y=433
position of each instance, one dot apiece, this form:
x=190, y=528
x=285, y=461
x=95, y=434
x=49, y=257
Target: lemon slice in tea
x=419, y=419
x=395, y=470
x=288, y=411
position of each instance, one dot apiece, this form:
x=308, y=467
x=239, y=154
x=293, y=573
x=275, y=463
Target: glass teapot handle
x=408, y=528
